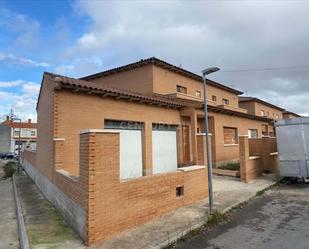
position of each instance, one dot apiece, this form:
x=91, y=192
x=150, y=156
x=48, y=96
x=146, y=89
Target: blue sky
x=76, y=38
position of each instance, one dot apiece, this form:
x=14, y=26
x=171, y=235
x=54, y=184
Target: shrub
x=231, y=166
x=215, y=218
x=9, y=169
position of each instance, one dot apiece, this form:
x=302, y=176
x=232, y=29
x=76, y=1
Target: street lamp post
x=209, y=163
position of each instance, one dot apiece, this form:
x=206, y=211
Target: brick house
x=262, y=108
x=121, y=147
x=12, y=133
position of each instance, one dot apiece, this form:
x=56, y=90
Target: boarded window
x=230, y=135
x=181, y=89
x=252, y=133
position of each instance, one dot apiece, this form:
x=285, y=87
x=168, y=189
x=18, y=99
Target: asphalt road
x=278, y=219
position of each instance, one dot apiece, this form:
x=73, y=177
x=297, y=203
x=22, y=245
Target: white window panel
x=164, y=151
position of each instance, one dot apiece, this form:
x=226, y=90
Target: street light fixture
x=209, y=163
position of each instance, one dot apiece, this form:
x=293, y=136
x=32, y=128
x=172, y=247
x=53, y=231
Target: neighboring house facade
x=289, y=115
x=14, y=133
x=262, y=108
x=119, y=148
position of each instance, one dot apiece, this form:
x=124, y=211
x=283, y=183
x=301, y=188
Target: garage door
x=164, y=149
x=131, y=162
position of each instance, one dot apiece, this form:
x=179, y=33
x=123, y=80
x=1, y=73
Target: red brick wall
x=115, y=205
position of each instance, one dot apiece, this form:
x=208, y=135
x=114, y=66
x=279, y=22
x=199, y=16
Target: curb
x=248, y=198
x=23, y=238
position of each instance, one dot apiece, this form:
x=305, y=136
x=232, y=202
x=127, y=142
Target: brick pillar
x=59, y=153
x=193, y=117
x=99, y=171
x=244, y=157
x=147, y=149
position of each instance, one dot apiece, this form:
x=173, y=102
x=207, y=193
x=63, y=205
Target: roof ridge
x=167, y=65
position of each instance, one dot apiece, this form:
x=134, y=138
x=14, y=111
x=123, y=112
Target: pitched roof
x=93, y=88
x=163, y=64
x=253, y=99
x=292, y=113
x=19, y=125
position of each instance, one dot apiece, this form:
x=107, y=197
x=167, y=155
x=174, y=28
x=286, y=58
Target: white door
x=164, y=151
x=131, y=162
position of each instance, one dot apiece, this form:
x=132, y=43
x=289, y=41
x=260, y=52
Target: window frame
x=249, y=134
x=235, y=142
x=178, y=87
x=198, y=94
x=225, y=101
x=214, y=98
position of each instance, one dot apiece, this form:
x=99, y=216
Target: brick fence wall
x=112, y=205
x=257, y=156
x=115, y=205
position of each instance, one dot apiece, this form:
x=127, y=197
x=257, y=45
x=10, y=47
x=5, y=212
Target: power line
x=265, y=69
x=262, y=69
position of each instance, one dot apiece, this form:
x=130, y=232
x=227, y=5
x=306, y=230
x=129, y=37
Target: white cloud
x=80, y=67
x=11, y=59
x=23, y=102
x=7, y=84
x=27, y=29
x=228, y=34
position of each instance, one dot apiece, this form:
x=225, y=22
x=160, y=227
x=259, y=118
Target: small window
x=225, y=101
x=214, y=98
x=262, y=113
x=16, y=133
x=198, y=93
x=277, y=116
x=181, y=89
x=230, y=135
x=179, y=191
x=32, y=134
x=253, y=133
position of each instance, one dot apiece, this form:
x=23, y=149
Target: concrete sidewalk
x=44, y=226
x=229, y=192
x=8, y=223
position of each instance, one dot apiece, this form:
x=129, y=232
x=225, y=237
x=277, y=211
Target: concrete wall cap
x=58, y=139
x=98, y=131
x=243, y=136
x=203, y=134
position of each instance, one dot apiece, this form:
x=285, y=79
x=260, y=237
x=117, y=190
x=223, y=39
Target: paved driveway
x=278, y=219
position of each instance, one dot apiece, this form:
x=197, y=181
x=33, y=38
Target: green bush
x=9, y=169
x=231, y=166
x=215, y=218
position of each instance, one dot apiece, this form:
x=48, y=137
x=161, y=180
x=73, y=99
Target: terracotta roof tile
x=91, y=87
x=20, y=125
x=163, y=64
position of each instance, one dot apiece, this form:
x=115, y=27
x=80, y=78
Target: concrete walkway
x=8, y=224
x=229, y=192
x=45, y=228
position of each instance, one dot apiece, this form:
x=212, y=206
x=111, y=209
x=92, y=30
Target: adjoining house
x=262, y=108
x=289, y=115
x=124, y=146
x=14, y=133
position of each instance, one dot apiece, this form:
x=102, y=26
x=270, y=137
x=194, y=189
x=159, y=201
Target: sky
x=261, y=47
